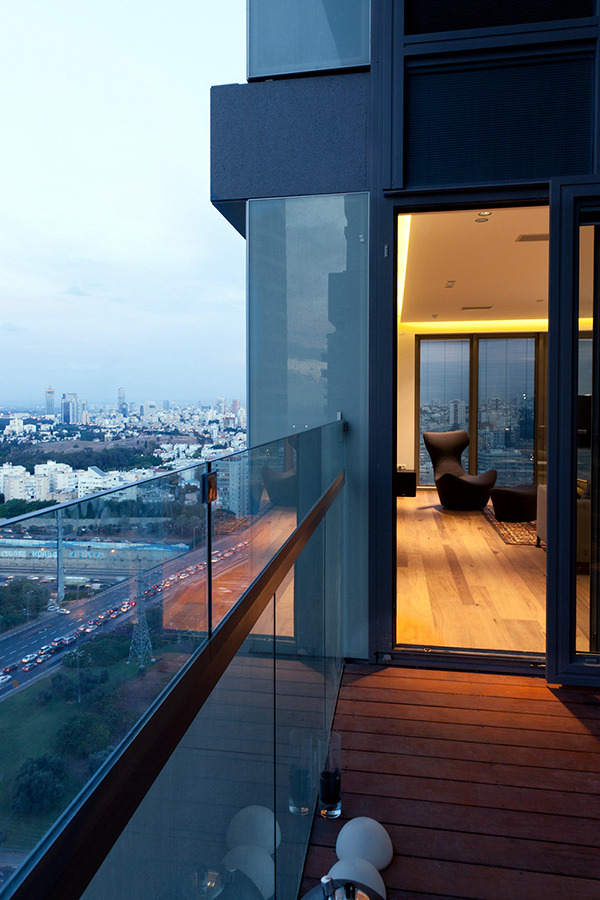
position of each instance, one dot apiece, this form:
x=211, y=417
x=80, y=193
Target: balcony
x=489, y=785
x=227, y=667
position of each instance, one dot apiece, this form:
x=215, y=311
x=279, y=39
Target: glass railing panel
x=254, y=514
x=262, y=494
x=71, y=711
x=241, y=788
x=212, y=806
x=102, y=601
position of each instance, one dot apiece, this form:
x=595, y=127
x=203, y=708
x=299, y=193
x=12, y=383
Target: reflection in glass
x=308, y=260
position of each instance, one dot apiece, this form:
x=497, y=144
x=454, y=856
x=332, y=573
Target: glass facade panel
x=307, y=345
x=287, y=36
x=505, y=409
x=444, y=395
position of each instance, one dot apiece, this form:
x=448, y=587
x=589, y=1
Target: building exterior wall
x=460, y=105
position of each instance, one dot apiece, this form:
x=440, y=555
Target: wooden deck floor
x=489, y=785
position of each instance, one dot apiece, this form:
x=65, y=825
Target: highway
x=179, y=585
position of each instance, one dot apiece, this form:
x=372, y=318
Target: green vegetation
x=107, y=458
x=21, y=600
x=39, y=784
x=61, y=729
x=13, y=508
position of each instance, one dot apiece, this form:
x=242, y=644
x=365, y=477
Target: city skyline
x=114, y=267
x=115, y=402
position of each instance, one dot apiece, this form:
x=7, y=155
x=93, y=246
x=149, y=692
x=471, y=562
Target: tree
x=83, y=734
x=39, y=784
x=21, y=599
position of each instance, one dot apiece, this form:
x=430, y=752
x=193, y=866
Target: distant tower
x=221, y=405
x=50, y=401
x=122, y=403
x=141, y=645
x=235, y=406
x=69, y=409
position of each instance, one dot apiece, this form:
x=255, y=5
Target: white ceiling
x=486, y=263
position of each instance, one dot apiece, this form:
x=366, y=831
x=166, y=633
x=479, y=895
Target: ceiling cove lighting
x=403, y=239
x=483, y=326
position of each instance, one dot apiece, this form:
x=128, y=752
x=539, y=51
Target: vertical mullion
x=473, y=402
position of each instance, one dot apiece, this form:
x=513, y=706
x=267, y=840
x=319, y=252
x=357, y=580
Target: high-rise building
x=50, y=401
x=429, y=169
x=69, y=409
x=122, y=407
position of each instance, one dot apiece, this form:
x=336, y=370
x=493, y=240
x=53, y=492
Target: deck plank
x=489, y=785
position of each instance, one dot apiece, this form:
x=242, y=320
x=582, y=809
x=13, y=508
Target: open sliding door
x=573, y=645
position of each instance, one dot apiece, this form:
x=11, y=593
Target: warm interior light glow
x=403, y=239
x=482, y=326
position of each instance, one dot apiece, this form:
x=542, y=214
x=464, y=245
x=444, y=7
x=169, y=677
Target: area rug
x=512, y=532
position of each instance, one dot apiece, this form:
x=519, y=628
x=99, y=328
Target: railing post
x=60, y=565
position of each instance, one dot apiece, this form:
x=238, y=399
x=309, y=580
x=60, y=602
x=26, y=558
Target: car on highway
x=42, y=657
x=29, y=658
x=10, y=668
x=4, y=679
x=63, y=611
x=71, y=639
x=90, y=628
x=28, y=666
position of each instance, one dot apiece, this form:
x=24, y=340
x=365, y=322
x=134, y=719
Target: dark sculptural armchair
x=455, y=488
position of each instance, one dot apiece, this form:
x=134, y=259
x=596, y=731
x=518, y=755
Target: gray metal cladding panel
x=493, y=122
x=448, y=15
x=289, y=137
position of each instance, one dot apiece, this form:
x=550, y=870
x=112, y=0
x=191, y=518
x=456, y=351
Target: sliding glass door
x=506, y=408
x=485, y=386
x=444, y=394
x=573, y=645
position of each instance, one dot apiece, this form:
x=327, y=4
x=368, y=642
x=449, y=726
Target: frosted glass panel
x=307, y=343
x=306, y=35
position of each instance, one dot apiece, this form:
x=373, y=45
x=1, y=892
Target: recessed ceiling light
x=485, y=212
x=481, y=220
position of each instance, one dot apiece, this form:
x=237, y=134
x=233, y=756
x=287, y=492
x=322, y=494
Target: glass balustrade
x=104, y=604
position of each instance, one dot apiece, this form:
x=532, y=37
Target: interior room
x=472, y=356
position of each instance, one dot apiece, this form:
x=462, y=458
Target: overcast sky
x=115, y=270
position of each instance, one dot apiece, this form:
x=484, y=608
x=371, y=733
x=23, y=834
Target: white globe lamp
x=360, y=870
x=256, y=863
x=367, y=839
x=256, y=826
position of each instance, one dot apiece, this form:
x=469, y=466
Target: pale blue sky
x=115, y=270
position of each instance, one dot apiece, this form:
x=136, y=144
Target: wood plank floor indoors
x=489, y=785
x=459, y=585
